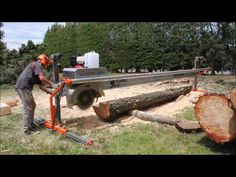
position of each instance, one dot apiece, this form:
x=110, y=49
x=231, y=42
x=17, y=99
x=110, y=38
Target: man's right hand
x=48, y=92
x=55, y=85
x=49, y=86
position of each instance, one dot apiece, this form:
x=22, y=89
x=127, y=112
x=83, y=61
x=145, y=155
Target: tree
x=14, y=62
x=151, y=46
x=2, y=45
x=213, y=45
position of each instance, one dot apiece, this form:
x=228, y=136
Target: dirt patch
x=87, y=122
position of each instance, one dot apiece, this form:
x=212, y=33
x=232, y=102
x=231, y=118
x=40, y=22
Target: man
x=31, y=75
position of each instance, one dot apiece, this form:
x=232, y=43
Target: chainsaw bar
x=79, y=138
x=83, y=140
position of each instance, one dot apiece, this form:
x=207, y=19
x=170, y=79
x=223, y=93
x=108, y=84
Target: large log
x=182, y=125
x=216, y=117
x=110, y=110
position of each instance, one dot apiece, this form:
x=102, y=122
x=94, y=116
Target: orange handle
x=67, y=81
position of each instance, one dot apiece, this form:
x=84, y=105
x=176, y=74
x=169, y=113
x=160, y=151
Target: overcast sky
x=19, y=33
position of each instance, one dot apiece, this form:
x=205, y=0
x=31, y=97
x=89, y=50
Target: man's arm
x=44, y=80
x=44, y=89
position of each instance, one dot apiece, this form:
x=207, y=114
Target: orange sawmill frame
x=51, y=124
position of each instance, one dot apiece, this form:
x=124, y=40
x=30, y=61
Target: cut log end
x=216, y=117
x=102, y=111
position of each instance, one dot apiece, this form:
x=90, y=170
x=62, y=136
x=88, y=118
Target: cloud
x=19, y=33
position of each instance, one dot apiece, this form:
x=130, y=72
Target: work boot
x=31, y=132
x=34, y=126
x=28, y=131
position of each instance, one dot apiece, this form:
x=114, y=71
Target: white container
x=91, y=60
x=80, y=59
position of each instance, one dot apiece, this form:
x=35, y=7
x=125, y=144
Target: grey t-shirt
x=29, y=77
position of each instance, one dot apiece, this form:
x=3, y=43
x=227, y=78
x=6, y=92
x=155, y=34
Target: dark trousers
x=29, y=106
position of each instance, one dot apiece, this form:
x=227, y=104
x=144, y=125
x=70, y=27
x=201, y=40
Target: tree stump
x=216, y=117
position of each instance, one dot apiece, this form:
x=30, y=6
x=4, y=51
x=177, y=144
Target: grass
x=13, y=140
x=187, y=113
x=138, y=139
x=149, y=139
x=221, y=84
x=6, y=86
x=7, y=91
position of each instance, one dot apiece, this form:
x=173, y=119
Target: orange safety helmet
x=43, y=59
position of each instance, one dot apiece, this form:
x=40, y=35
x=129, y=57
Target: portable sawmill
x=85, y=81
x=90, y=82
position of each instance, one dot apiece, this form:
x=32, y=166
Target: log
x=4, y=109
x=182, y=125
x=188, y=126
x=216, y=117
x=11, y=102
x=110, y=110
x=154, y=117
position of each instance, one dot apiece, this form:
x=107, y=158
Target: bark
x=154, y=117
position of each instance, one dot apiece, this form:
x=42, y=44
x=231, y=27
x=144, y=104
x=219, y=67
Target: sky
x=17, y=33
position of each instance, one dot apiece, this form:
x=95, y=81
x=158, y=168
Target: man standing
x=31, y=75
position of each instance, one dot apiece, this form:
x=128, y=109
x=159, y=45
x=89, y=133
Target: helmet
x=43, y=59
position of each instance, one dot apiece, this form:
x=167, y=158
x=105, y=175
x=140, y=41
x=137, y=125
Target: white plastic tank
x=91, y=60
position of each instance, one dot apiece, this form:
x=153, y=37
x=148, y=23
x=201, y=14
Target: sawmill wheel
x=85, y=99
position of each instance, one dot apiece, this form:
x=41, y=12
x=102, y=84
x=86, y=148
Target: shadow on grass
x=225, y=148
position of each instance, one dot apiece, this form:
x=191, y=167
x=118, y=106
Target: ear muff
x=43, y=59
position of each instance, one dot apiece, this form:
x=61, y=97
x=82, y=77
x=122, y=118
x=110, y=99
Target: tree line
x=132, y=46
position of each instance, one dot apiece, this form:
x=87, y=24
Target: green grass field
x=138, y=139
